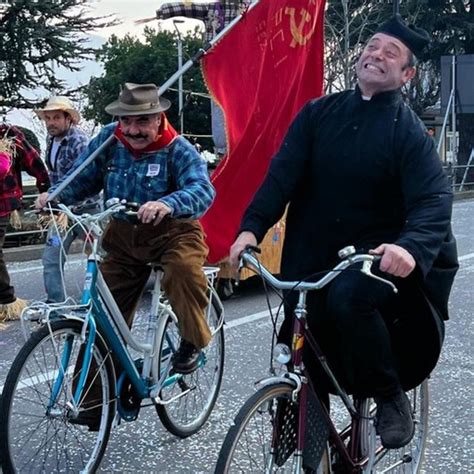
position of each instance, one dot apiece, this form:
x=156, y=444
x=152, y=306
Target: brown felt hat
x=138, y=99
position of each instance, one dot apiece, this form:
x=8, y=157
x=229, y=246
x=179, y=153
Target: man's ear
x=409, y=73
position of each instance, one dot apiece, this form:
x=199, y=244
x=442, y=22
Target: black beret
x=414, y=38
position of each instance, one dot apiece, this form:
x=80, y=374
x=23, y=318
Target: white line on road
x=77, y=261
x=249, y=319
x=466, y=257
x=37, y=268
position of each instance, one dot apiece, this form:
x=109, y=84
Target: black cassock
x=365, y=172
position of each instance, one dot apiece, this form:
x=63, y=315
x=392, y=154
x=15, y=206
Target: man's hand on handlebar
x=395, y=260
x=153, y=212
x=243, y=240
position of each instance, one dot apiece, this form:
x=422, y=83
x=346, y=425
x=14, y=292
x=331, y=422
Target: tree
x=34, y=35
x=155, y=60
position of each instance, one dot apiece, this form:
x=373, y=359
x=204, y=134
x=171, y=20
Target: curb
x=34, y=252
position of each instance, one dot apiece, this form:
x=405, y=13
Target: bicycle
x=286, y=427
x=86, y=348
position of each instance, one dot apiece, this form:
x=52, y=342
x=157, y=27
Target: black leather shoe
x=394, y=421
x=91, y=419
x=186, y=358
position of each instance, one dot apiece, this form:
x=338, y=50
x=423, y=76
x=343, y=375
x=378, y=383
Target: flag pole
x=202, y=51
x=186, y=66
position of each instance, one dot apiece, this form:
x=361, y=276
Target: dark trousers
x=351, y=320
x=7, y=292
x=180, y=249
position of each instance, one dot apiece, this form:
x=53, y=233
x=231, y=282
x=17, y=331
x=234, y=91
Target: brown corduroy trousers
x=179, y=247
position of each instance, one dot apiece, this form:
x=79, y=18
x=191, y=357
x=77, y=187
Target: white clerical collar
x=364, y=97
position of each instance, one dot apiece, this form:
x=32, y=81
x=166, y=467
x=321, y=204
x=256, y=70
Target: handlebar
x=92, y=221
x=248, y=258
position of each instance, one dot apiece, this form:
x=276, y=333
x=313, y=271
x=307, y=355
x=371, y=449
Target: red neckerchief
x=166, y=134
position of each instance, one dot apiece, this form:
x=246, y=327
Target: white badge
x=153, y=169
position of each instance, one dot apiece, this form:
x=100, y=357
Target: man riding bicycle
x=359, y=168
x=151, y=165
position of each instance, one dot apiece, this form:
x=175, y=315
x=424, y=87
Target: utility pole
x=180, y=79
x=345, y=9
x=396, y=7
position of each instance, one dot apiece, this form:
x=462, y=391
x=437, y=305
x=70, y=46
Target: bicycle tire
x=405, y=460
x=39, y=438
x=411, y=454
x=247, y=445
x=186, y=415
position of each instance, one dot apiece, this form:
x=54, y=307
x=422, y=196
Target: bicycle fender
x=291, y=380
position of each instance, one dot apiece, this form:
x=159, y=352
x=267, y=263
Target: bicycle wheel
x=186, y=415
x=407, y=460
x=263, y=435
x=36, y=434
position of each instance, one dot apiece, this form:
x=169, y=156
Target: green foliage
x=154, y=60
x=34, y=34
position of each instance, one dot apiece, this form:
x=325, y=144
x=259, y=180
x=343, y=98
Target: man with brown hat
x=65, y=143
x=150, y=164
x=359, y=168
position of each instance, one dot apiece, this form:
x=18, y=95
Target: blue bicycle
x=84, y=359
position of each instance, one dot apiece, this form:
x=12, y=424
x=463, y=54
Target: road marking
x=39, y=378
x=37, y=268
x=466, y=257
x=249, y=319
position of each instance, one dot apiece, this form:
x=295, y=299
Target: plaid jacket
x=176, y=175
x=215, y=15
x=70, y=148
x=26, y=159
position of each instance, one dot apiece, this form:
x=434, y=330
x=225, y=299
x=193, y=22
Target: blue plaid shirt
x=175, y=175
x=70, y=148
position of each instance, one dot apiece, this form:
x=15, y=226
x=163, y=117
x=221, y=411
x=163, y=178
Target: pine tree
x=36, y=33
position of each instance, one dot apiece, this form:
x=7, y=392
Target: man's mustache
x=134, y=137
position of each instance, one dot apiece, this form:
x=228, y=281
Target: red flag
x=261, y=73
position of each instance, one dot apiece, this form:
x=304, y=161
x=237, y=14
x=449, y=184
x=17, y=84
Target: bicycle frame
x=355, y=410
x=300, y=334
x=104, y=316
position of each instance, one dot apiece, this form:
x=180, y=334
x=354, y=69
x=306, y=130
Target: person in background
x=65, y=143
x=16, y=155
x=359, y=168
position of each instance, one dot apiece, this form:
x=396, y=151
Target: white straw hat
x=59, y=103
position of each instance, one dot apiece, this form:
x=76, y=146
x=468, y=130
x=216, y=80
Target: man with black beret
x=359, y=168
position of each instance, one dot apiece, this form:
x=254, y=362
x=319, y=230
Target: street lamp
x=180, y=79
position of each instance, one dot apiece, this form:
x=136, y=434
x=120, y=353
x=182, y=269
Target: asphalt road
x=145, y=446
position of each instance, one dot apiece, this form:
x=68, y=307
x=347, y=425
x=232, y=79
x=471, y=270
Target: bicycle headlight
x=282, y=353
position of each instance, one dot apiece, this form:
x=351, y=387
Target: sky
x=128, y=12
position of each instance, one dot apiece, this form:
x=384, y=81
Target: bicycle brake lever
x=366, y=269
x=239, y=269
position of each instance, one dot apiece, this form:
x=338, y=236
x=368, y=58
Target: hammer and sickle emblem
x=299, y=37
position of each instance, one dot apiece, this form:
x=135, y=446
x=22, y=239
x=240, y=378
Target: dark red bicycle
x=285, y=427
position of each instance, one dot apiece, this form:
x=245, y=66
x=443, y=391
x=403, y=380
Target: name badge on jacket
x=153, y=169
